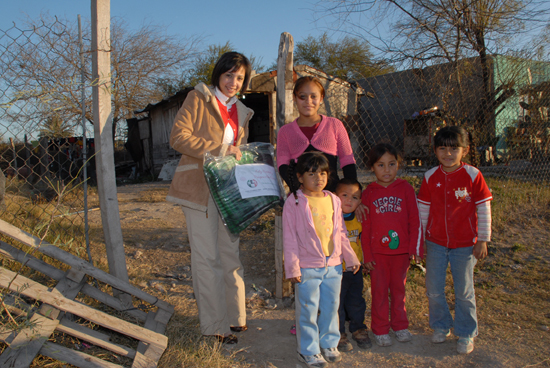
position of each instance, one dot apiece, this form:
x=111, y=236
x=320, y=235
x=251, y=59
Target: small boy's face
x=350, y=196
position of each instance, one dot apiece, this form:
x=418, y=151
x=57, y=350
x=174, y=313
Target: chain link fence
x=41, y=153
x=505, y=109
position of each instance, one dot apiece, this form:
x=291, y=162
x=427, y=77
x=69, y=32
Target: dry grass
x=512, y=287
x=152, y=196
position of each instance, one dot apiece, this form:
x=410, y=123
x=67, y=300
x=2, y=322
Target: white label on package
x=256, y=180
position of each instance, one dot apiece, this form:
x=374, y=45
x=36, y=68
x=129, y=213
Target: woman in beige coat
x=213, y=120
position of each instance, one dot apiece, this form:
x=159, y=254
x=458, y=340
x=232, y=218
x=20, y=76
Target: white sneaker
x=314, y=361
x=383, y=340
x=465, y=345
x=332, y=355
x=403, y=335
x=440, y=336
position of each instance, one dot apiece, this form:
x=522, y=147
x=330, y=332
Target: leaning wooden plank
x=56, y=274
x=28, y=343
x=76, y=262
x=141, y=361
x=37, y=291
x=7, y=336
x=76, y=358
x=94, y=337
x=147, y=352
x=113, y=302
x=163, y=316
x=34, y=263
x=66, y=287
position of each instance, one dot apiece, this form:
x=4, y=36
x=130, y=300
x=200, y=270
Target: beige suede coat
x=199, y=128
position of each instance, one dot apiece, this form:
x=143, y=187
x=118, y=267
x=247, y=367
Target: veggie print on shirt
x=393, y=224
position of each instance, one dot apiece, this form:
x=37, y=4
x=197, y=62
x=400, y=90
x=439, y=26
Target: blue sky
x=252, y=26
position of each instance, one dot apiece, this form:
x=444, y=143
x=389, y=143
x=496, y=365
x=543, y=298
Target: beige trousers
x=217, y=271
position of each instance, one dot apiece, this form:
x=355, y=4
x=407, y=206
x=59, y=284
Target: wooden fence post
x=284, y=107
x=103, y=134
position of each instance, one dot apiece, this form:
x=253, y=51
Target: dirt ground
x=158, y=259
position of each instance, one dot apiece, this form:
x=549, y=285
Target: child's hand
x=361, y=212
x=369, y=266
x=480, y=250
x=296, y=280
x=354, y=269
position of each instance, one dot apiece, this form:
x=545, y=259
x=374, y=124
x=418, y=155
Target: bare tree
x=41, y=70
x=428, y=32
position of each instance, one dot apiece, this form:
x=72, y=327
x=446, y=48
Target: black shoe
x=229, y=340
x=239, y=328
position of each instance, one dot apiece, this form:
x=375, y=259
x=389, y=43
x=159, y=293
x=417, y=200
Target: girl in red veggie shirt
x=391, y=237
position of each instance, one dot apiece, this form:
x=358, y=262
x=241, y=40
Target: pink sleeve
x=283, y=148
x=290, y=244
x=345, y=153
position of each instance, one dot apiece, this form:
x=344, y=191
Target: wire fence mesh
x=505, y=107
x=502, y=101
x=40, y=151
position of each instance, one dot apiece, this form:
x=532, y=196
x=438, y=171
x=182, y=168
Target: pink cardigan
x=331, y=138
x=301, y=245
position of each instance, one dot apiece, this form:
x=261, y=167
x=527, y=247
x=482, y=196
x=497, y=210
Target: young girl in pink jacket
x=314, y=243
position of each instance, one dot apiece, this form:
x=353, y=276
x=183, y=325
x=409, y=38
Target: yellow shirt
x=354, y=229
x=322, y=211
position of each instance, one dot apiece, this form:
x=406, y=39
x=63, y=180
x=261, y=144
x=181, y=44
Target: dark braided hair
x=308, y=161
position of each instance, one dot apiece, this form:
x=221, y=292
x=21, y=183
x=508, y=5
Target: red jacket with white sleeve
x=454, y=199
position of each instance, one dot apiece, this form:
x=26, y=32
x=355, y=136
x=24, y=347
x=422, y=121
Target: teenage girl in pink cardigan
x=314, y=132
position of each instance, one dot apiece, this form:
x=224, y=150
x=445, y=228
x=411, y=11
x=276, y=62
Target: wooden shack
x=149, y=131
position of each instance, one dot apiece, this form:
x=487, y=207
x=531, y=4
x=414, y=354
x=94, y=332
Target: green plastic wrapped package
x=243, y=190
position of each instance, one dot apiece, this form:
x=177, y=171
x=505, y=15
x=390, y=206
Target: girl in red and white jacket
x=392, y=237
x=454, y=203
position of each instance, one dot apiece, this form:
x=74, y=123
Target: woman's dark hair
x=380, y=150
x=300, y=82
x=308, y=161
x=456, y=136
x=229, y=61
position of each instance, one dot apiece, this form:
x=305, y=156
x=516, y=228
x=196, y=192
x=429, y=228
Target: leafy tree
x=42, y=70
x=56, y=127
x=348, y=58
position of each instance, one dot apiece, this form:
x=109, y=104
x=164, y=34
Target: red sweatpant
x=390, y=272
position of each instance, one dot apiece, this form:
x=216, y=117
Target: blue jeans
x=462, y=263
x=352, y=303
x=319, y=290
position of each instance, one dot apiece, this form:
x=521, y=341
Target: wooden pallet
x=54, y=306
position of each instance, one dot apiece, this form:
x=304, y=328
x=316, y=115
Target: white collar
x=228, y=102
